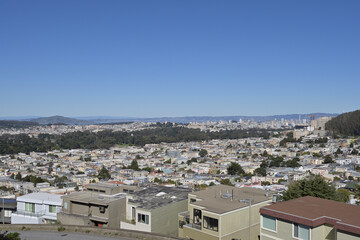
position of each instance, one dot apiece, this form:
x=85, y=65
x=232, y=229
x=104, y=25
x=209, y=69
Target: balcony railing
x=192, y=225
x=30, y=214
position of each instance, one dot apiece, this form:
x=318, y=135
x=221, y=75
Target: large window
x=197, y=216
x=211, y=223
x=52, y=209
x=142, y=218
x=30, y=207
x=269, y=223
x=301, y=232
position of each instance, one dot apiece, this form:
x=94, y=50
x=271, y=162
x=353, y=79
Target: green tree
x=260, y=171
x=235, y=169
x=342, y=195
x=18, y=177
x=315, y=186
x=226, y=181
x=328, y=159
x=203, y=153
x=134, y=165
x=104, y=174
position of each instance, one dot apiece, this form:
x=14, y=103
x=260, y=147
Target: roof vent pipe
x=274, y=198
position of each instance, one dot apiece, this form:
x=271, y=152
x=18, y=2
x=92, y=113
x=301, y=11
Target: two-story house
x=310, y=218
x=223, y=212
x=37, y=208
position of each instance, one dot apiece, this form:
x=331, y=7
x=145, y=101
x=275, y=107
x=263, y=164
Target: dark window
x=102, y=209
x=142, y=218
x=197, y=216
x=211, y=223
x=192, y=200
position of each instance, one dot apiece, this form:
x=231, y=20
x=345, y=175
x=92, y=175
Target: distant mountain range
x=104, y=119
x=60, y=119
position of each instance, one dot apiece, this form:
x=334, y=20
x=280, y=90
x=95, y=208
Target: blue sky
x=178, y=58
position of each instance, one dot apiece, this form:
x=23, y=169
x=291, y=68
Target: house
x=223, y=212
x=7, y=207
x=310, y=218
x=37, y=208
x=101, y=205
x=155, y=209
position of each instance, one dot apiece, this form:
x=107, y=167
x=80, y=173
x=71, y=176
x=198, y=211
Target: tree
x=342, y=195
x=235, y=169
x=134, y=165
x=226, y=181
x=328, y=159
x=203, y=153
x=104, y=174
x=260, y=171
x=315, y=186
x=18, y=177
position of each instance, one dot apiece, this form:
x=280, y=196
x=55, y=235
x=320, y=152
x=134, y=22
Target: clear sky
x=178, y=58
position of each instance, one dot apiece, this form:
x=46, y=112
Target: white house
x=37, y=208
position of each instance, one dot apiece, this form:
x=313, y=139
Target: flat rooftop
x=93, y=198
x=312, y=211
x=159, y=196
x=222, y=198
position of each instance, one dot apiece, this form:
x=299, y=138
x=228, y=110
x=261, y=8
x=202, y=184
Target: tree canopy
x=315, y=187
x=235, y=169
x=104, y=174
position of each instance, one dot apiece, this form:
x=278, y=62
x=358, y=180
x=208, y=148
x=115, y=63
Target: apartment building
x=37, y=208
x=155, y=209
x=223, y=212
x=7, y=207
x=310, y=218
x=101, y=205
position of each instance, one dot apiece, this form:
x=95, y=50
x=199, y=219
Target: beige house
x=223, y=212
x=155, y=209
x=310, y=218
x=101, y=205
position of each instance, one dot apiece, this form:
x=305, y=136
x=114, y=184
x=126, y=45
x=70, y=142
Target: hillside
x=346, y=124
x=60, y=119
x=17, y=124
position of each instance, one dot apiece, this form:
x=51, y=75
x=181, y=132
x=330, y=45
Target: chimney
x=274, y=198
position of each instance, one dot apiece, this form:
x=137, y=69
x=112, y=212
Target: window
x=301, y=231
x=197, y=216
x=269, y=223
x=133, y=213
x=30, y=207
x=192, y=200
x=7, y=213
x=52, y=209
x=102, y=209
x=142, y=218
x=211, y=223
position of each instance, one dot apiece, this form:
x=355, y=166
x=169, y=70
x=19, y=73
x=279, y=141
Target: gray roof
x=217, y=199
x=159, y=196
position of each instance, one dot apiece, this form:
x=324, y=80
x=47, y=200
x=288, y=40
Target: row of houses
x=219, y=212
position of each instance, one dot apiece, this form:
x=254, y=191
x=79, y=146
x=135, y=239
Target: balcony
x=30, y=214
x=192, y=225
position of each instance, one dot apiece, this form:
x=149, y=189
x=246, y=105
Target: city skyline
x=170, y=59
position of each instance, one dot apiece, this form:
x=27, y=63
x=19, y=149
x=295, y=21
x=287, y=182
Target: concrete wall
x=71, y=219
x=165, y=219
x=347, y=236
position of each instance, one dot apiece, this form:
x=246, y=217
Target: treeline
x=346, y=124
x=17, y=124
x=11, y=144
